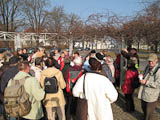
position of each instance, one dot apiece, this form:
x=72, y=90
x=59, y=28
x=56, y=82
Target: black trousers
x=70, y=108
x=129, y=103
x=149, y=109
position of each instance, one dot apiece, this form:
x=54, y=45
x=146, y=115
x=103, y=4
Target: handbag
x=82, y=106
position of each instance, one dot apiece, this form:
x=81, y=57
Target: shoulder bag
x=82, y=106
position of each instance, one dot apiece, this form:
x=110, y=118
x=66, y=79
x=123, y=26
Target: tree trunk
x=138, y=46
x=156, y=47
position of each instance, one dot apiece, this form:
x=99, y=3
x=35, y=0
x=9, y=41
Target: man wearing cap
x=150, y=88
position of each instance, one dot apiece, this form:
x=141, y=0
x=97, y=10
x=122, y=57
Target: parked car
x=31, y=50
x=80, y=49
x=87, y=49
x=5, y=49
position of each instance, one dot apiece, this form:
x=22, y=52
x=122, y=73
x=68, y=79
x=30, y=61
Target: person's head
x=49, y=62
x=153, y=60
x=24, y=50
x=66, y=52
x=38, y=61
x=133, y=51
x=95, y=65
x=19, y=51
x=56, y=51
x=52, y=55
x=37, y=50
x=130, y=64
x=67, y=60
x=109, y=60
x=92, y=53
x=105, y=53
x=87, y=57
x=13, y=60
x=24, y=66
x=62, y=54
x=41, y=49
x=99, y=56
x=78, y=61
x=76, y=54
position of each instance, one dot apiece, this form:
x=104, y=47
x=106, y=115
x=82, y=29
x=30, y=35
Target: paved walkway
x=118, y=106
x=119, y=114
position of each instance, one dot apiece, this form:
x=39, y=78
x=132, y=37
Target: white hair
x=78, y=61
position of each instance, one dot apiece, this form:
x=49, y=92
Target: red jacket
x=117, y=66
x=129, y=78
x=61, y=62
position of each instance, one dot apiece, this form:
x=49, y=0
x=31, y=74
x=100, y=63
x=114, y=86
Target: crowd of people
x=94, y=78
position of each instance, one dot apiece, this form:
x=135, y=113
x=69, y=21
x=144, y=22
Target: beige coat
x=151, y=90
x=56, y=99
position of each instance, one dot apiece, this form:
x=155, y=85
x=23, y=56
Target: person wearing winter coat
x=10, y=72
x=61, y=60
x=37, y=69
x=127, y=87
x=86, y=65
x=71, y=101
x=131, y=53
x=54, y=101
x=149, y=91
x=106, y=71
x=109, y=61
x=33, y=88
x=99, y=92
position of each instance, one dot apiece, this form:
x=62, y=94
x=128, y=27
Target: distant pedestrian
x=24, y=54
x=66, y=52
x=57, y=54
x=52, y=55
x=61, y=60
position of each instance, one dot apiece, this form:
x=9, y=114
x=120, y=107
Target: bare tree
x=9, y=11
x=35, y=13
x=74, y=25
x=56, y=19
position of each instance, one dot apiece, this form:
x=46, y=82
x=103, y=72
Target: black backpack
x=51, y=85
